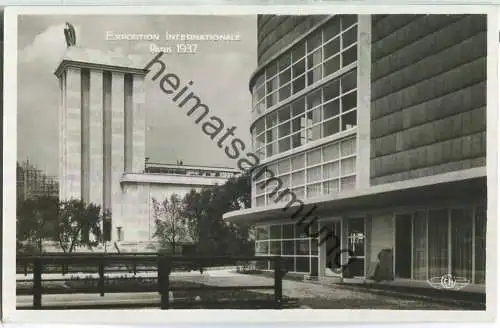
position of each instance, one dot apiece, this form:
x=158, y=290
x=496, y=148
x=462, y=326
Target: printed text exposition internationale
x=120, y=36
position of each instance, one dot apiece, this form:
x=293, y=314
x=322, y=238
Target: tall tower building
x=102, y=126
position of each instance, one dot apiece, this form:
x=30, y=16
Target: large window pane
x=262, y=232
x=348, y=183
x=314, y=190
x=271, y=70
x=284, y=129
x=349, y=37
x=314, y=174
x=332, y=28
x=298, y=52
x=314, y=133
x=275, y=248
x=331, y=109
x=285, y=92
x=349, y=120
x=332, y=48
x=298, y=162
x=299, y=192
x=299, y=68
x=480, y=244
x=420, y=246
x=314, y=41
x=259, y=126
x=298, y=178
x=314, y=99
x=348, y=147
x=331, y=127
x=331, y=91
x=284, y=144
x=284, y=114
x=284, y=61
x=331, y=65
x=438, y=243
x=302, y=247
x=348, y=20
x=297, y=140
x=314, y=75
x=298, y=107
x=349, y=81
x=331, y=187
x=314, y=157
x=289, y=263
x=331, y=170
x=299, y=84
x=302, y=264
x=262, y=248
x=461, y=243
x=331, y=152
x=288, y=231
x=349, y=56
x=275, y=231
x=349, y=101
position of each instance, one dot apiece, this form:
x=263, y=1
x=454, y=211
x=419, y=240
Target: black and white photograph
x=253, y=161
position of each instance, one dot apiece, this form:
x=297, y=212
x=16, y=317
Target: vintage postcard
x=310, y=163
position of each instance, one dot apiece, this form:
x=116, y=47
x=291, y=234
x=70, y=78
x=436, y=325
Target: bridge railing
x=104, y=268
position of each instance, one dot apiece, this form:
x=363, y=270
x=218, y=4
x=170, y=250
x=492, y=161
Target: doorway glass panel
x=403, y=246
x=356, y=243
x=420, y=246
x=438, y=243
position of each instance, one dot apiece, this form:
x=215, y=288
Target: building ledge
x=448, y=186
x=93, y=59
x=171, y=179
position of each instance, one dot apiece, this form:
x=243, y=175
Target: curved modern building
x=371, y=135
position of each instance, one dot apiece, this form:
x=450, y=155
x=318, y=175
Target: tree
x=77, y=220
x=170, y=225
x=36, y=220
x=204, y=211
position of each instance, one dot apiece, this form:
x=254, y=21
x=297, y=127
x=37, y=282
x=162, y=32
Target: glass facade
x=299, y=251
x=324, y=67
x=323, y=112
x=450, y=241
x=319, y=55
x=321, y=171
x=309, y=94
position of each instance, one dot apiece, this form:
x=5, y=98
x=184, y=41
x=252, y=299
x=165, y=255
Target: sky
x=220, y=72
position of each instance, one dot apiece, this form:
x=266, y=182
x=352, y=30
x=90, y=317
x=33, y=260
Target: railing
x=106, y=265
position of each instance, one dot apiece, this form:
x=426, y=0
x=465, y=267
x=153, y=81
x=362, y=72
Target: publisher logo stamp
x=449, y=282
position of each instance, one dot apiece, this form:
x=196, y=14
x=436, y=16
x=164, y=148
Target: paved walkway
x=317, y=295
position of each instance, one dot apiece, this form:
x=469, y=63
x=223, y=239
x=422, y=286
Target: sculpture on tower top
x=70, y=35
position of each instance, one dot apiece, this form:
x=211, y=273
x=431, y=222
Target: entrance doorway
x=403, y=246
x=356, y=243
x=332, y=247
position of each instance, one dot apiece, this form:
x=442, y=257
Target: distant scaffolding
x=34, y=183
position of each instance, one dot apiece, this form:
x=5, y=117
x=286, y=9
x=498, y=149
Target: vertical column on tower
x=139, y=123
x=117, y=145
x=85, y=183
x=139, y=153
x=96, y=176
x=106, y=149
x=62, y=136
x=73, y=134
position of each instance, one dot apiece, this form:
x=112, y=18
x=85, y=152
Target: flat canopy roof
x=454, y=186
